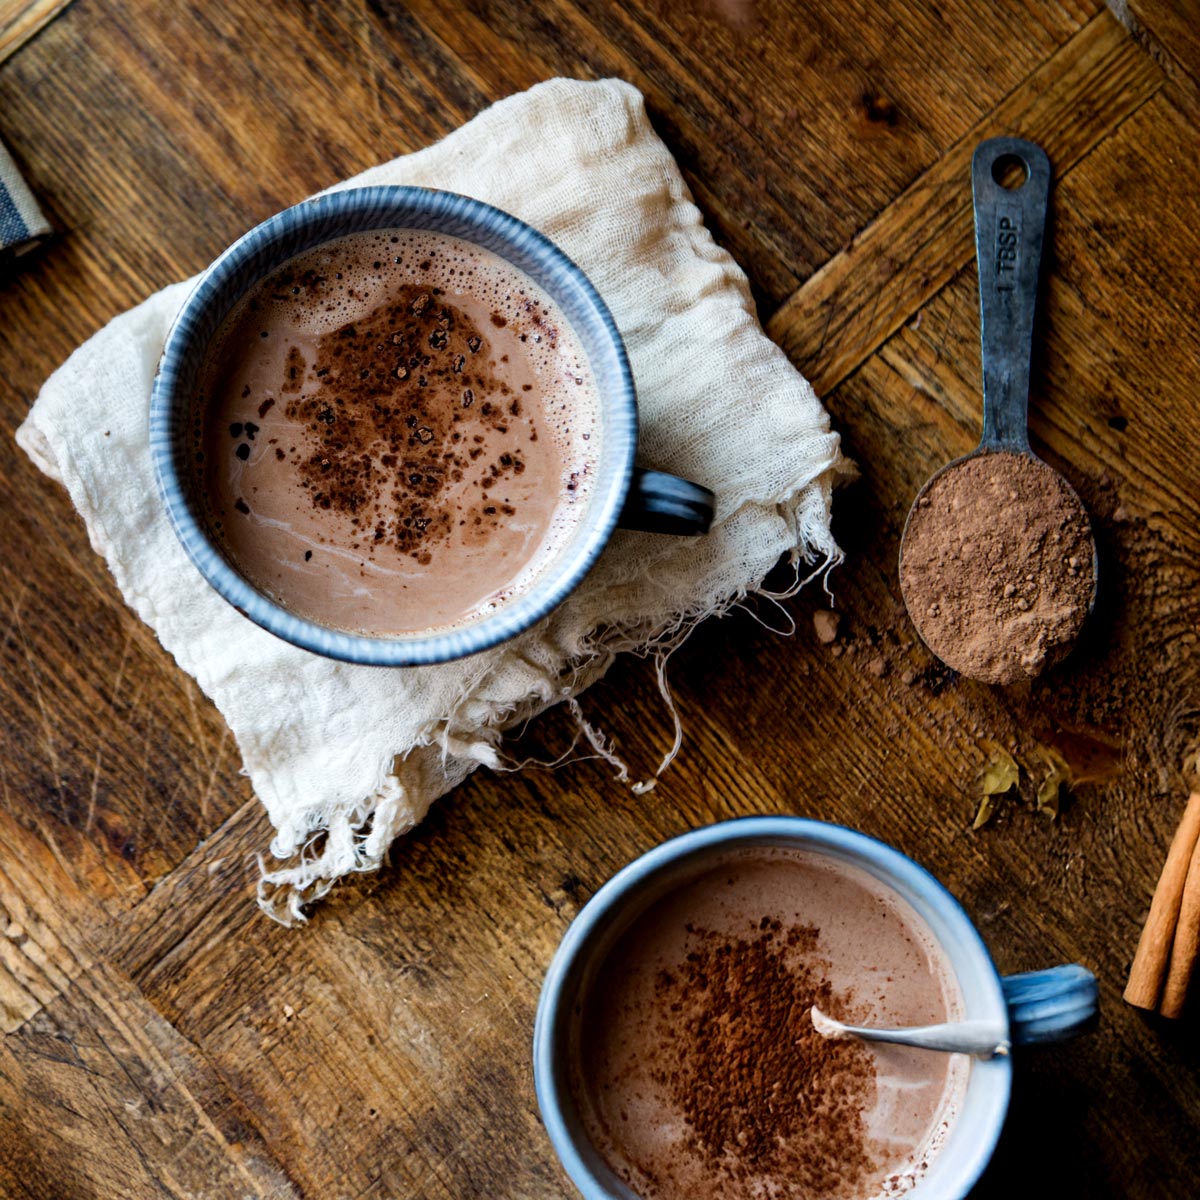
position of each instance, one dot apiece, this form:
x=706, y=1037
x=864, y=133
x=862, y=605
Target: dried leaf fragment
x=1000, y=776
x=1048, y=794
x=1058, y=776
x=987, y=806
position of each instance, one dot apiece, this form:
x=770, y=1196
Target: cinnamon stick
x=1154, y=947
x=1186, y=944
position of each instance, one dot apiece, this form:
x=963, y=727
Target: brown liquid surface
x=396, y=433
x=698, y=1074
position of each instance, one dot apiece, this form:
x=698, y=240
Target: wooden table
x=164, y=1038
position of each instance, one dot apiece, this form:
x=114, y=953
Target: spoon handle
x=1009, y=226
x=983, y=1038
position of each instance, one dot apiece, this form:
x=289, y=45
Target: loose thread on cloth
x=359, y=842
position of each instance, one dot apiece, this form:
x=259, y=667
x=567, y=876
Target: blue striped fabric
x=13, y=230
x=359, y=210
x=22, y=224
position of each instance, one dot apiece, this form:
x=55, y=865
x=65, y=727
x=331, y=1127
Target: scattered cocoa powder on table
x=996, y=566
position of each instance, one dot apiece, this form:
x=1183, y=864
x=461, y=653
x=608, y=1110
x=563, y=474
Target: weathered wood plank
x=785, y=173
x=924, y=237
x=109, y=752
x=100, y=1098
x=22, y=19
x=422, y=1084
x=42, y=915
x=1169, y=30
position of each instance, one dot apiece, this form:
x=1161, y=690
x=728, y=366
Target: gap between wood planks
x=867, y=291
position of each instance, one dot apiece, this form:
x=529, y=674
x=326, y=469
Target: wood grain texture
x=21, y=19
x=100, y=1097
x=790, y=130
x=1168, y=30
x=166, y=1040
x=921, y=240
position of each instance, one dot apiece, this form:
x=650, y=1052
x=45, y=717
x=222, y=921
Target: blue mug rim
x=618, y=441
x=619, y=889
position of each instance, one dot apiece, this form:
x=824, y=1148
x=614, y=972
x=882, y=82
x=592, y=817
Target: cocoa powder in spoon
x=996, y=566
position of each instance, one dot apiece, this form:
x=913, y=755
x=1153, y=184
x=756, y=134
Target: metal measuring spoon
x=985, y=1039
x=963, y=628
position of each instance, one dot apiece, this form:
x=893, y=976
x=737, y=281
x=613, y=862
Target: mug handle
x=661, y=503
x=1050, y=1005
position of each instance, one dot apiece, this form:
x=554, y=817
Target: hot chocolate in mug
x=683, y=948
x=428, y=334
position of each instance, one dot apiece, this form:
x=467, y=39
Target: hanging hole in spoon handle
x=1010, y=222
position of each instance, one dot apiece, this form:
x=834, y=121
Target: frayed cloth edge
x=333, y=846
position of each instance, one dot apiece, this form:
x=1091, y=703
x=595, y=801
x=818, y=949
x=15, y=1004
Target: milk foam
x=501, y=382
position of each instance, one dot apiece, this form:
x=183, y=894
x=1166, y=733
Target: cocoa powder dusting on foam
x=763, y=1093
x=410, y=470
x=996, y=567
x=387, y=429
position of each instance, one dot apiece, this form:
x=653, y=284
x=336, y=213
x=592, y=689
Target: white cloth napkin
x=346, y=758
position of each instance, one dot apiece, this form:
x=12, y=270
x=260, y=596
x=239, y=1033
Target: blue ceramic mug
x=1041, y=1006
x=622, y=494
